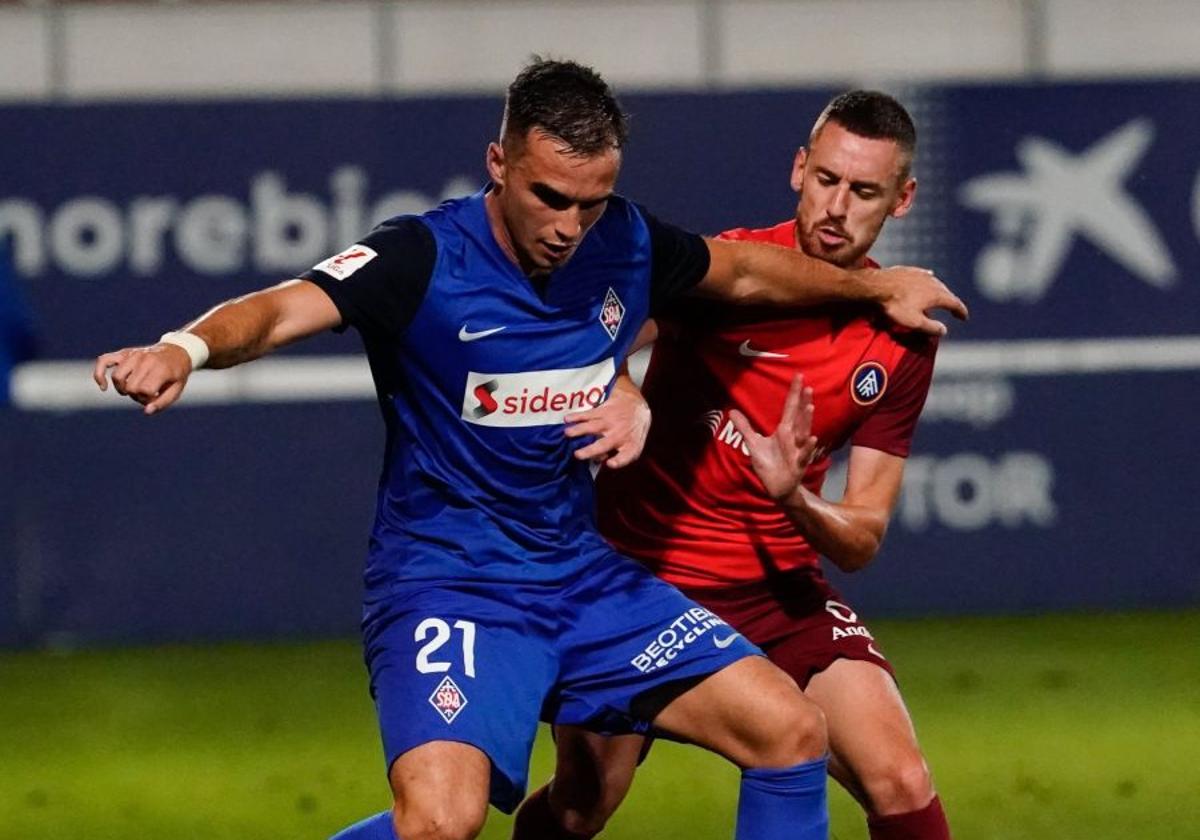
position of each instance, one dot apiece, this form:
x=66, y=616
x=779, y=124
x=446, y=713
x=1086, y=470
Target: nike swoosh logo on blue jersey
x=746, y=350
x=466, y=335
x=726, y=642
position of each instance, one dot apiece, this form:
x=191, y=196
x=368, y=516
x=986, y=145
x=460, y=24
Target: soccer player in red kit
x=736, y=519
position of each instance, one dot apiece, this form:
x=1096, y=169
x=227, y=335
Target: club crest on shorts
x=448, y=699
x=612, y=312
x=868, y=383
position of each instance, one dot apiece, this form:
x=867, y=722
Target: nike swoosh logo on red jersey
x=746, y=350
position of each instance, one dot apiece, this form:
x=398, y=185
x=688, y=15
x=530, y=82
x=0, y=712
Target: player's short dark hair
x=869, y=113
x=565, y=100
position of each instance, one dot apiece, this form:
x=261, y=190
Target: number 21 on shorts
x=441, y=632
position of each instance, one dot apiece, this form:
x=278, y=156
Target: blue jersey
x=476, y=366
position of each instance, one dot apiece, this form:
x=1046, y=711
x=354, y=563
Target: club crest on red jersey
x=448, y=699
x=868, y=383
x=612, y=312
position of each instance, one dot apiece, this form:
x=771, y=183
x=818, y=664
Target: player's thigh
x=871, y=734
x=593, y=772
x=752, y=713
x=809, y=644
x=440, y=788
x=630, y=645
x=461, y=664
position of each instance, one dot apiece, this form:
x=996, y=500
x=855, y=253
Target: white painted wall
x=218, y=50
x=24, y=54
x=481, y=43
x=367, y=47
x=777, y=42
x=1102, y=37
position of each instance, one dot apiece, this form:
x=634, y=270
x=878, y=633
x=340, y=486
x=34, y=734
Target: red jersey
x=691, y=507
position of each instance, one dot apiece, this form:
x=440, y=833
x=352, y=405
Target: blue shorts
x=481, y=663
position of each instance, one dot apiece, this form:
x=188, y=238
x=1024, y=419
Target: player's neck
x=501, y=234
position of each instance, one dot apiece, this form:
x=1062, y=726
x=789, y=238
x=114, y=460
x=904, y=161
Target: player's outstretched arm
x=755, y=273
x=231, y=333
x=849, y=532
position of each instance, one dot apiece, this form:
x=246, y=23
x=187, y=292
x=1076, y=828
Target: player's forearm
x=849, y=535
x=247, y=327
x=235, y=331
x=753, y=273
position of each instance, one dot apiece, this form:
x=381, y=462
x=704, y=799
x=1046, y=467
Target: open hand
x=780, y=460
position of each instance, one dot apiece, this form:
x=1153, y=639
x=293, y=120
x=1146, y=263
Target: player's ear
x=798, y=169
x=908, y=191
x=496, y=164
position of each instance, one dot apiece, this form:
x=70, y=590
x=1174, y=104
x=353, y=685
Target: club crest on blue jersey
x=868, y=383
x=448, y=699
x=612, y=312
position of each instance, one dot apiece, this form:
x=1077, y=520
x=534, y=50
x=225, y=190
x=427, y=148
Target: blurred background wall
x=121, y=50
x=158, y=157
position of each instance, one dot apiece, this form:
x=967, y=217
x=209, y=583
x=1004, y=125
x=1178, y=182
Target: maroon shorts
x=799, y=619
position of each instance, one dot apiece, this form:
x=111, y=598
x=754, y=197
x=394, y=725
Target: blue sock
x=378, y=827
x=783, y=804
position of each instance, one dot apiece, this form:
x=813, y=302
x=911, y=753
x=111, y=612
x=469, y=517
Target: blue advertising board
x=1068, y=217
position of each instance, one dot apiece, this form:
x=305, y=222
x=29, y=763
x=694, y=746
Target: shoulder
x=401, y=232
x=404, y=244
x=783, y=234
x=623, y=214
x=625, y=224
x=919, y=344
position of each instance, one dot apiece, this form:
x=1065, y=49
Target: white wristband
x=190, y=343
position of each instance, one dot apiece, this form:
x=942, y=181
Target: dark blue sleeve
x=379, y=283
x=679, y=261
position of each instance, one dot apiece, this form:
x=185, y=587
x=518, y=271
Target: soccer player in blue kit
x=491, y=599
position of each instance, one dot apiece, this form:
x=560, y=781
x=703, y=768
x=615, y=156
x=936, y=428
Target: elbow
x=746, y=286
x=853, y=561
x=856, y=556
x=743, y=290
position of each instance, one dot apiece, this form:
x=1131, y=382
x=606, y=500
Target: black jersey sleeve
x=378, y=283
x=679, y=261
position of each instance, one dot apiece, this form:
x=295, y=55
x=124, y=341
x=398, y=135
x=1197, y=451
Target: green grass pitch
x=1052, y=728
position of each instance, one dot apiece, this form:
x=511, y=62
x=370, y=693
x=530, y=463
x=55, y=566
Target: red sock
x=929, y=823
x=535, y=820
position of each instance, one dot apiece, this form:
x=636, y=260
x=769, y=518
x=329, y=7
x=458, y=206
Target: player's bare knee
x=587, y=813
x=795, y=733
x=581, y=815
x=899, y=786
x=589, y=817
x=805, y=734
x=584, y=823
x=439, y=821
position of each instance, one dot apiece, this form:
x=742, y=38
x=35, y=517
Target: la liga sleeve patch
x=340, y=266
